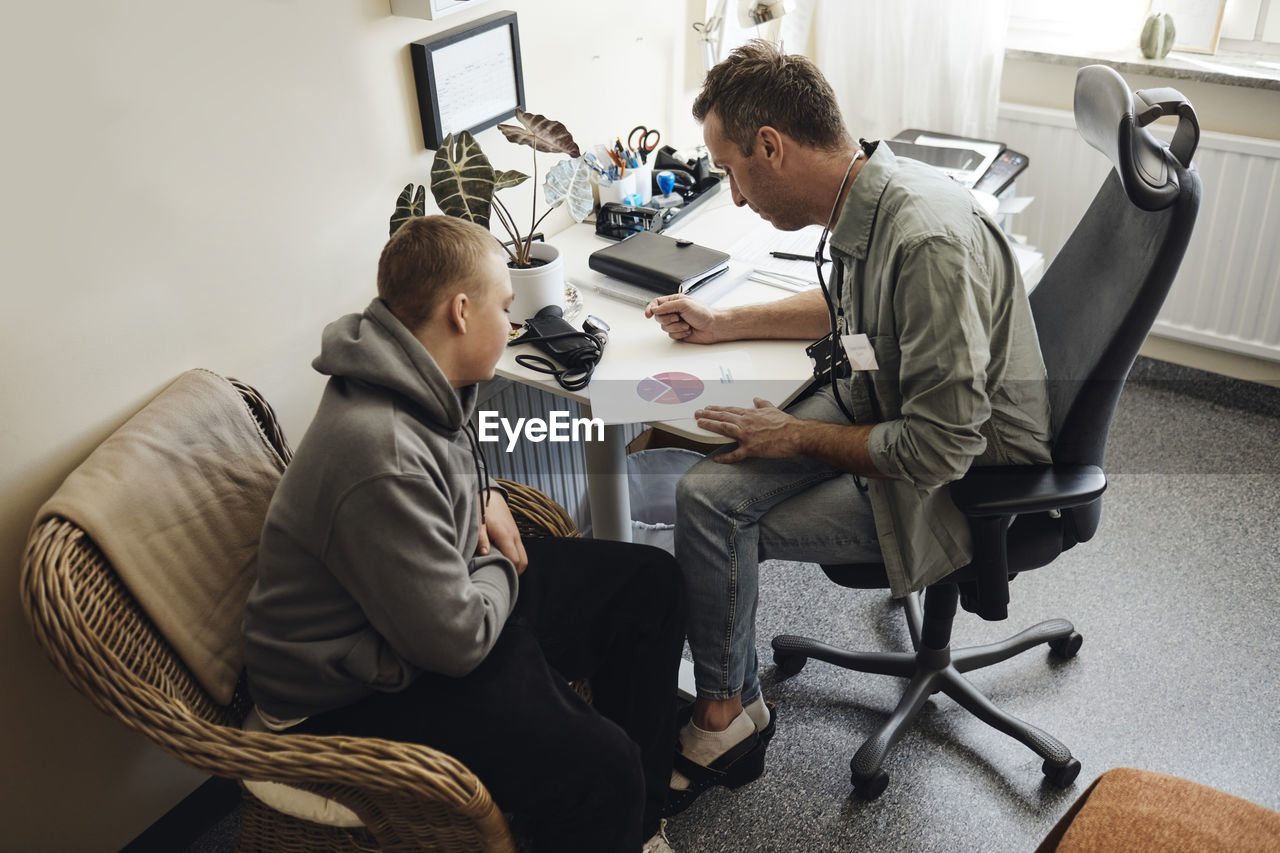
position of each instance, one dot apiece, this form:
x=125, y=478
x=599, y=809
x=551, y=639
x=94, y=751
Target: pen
x=594, y=163
x=791, y=256
x=694, y=285
x=765, y=278
x=793, y=279
x=630, y=299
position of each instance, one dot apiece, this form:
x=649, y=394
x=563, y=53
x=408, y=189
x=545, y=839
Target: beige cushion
x=175, y=498
x=296, y=802
x=1137, y=811
x=303, y=805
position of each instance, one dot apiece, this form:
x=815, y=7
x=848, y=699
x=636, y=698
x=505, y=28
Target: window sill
x=1223, y=68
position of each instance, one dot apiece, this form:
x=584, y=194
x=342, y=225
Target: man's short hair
x=425, y=261
x=758, y=85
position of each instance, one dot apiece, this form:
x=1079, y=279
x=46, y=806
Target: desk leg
x=607, y=490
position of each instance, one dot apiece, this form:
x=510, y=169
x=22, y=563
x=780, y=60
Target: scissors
x=645, y=145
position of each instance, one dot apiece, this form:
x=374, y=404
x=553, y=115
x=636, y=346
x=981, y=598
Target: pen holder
x=622, y=191
x=644, y=181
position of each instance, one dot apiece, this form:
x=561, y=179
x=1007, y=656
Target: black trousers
x=577, y=777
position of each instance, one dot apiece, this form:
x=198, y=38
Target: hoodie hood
x=376, y=348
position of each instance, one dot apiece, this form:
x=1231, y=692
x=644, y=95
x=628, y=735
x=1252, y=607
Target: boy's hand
x=500, y=529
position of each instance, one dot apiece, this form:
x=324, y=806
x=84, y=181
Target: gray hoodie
x=367, y=568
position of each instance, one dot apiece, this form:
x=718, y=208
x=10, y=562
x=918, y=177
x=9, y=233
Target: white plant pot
x=537, y=287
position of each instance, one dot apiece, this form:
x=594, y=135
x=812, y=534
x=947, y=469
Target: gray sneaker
x=658, y=843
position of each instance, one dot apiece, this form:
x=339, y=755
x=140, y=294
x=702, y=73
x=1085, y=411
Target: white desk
x=635, y=339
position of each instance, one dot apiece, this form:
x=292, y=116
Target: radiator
x=558, y=469
x=1227, y=294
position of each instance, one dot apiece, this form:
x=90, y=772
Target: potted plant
x=464, y=184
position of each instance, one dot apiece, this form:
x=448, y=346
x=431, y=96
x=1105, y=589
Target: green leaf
x=570, y=180
x=409, y=205
x=541, y=134
x=462, y=179
x=502, y=180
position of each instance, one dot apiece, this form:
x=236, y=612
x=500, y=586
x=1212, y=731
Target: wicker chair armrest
x=404, y=822
x=123, y=676
x=535, y=513
x=409, y=796
x=371, y=764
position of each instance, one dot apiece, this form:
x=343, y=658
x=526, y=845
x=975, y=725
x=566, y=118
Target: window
x=1088, y=25
x=1251, y=26
x=1248, y=26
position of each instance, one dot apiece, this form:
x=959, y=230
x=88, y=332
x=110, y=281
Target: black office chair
x=1093, y=309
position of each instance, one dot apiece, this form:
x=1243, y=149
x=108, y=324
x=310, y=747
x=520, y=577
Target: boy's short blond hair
x=427, y=260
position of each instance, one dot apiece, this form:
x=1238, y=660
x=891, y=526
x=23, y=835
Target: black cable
x=580, y=364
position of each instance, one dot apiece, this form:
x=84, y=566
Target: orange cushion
x=1138, y=811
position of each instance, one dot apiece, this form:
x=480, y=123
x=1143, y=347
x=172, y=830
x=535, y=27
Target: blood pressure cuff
x=554, y=336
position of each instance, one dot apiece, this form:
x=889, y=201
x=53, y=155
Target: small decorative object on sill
x=1157, y=36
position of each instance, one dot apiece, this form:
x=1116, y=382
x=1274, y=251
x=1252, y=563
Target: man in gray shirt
x=925, y=294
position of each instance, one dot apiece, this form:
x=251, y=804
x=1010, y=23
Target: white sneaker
x=659, y=843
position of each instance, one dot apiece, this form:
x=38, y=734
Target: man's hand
x=770, y=433
x=765, y=431
x=684, y=318
x=500, y=529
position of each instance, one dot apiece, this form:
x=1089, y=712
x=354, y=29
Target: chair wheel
x=1066, y=647
x=1061, y=776
x=788, y=665
x=872, y=787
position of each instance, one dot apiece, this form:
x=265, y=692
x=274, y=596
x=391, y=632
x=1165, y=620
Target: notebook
x=659, y=263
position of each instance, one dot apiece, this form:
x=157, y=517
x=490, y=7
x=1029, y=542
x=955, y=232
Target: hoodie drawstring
x=482, y=467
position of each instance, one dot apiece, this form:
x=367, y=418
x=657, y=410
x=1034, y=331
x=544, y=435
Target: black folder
x=660, y=263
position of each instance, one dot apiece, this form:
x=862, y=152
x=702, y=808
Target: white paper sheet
x=969, y=175
x=672, y=388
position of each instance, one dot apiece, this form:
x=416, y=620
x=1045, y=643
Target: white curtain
x=734, y=28
x=928, y=64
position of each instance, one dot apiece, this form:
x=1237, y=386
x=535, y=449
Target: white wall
x=206, y=185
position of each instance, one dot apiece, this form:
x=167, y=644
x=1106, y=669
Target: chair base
x=932, y=670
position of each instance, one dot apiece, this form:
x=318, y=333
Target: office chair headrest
x=1112, y=120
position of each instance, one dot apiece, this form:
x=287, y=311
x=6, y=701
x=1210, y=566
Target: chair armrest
x=404, y=793
x=536, y=514
x=992, y=497
x=1016, y=489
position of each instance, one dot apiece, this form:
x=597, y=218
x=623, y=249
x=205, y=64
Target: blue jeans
x=732, y=516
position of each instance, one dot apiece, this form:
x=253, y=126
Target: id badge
x=858, y=349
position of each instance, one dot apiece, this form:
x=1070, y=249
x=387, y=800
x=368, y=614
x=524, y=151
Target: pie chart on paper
x=670, y=388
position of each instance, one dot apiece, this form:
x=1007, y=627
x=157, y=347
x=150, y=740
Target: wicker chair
x=407, y=796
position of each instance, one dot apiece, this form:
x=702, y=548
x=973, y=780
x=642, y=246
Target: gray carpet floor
x=1176, y=597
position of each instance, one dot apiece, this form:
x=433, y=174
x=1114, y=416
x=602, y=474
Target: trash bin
x=651, y=481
